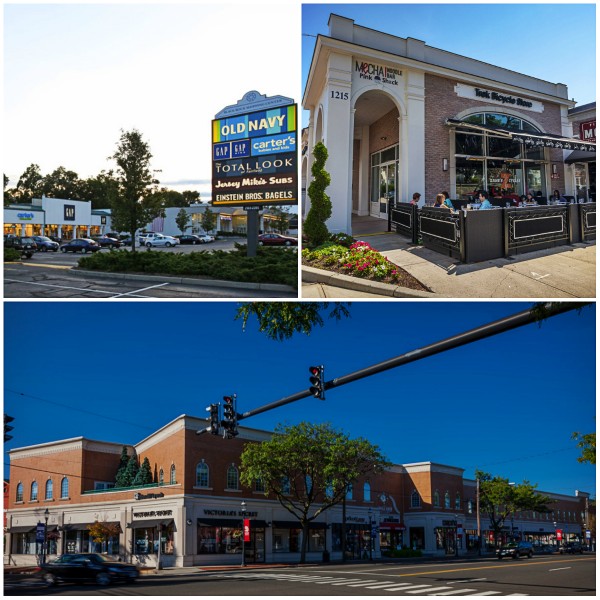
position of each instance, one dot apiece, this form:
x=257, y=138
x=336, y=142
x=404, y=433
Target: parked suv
x=25, y=245
x=571, y=548
x=516, y=550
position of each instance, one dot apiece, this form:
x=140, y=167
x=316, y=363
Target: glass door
x=384, y=189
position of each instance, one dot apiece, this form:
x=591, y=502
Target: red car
x=275, y=239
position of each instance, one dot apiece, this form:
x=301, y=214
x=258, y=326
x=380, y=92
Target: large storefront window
x=286, y=539
x=503, y=166
x=357, y=539
x=220, y=540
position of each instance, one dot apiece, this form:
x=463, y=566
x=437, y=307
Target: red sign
x=559, y=534
x=246, y=530
x=587, y=131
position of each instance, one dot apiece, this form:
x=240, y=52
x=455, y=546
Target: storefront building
x=582, y=165
x=65, y=219
x=398, y=117
x=193, y=511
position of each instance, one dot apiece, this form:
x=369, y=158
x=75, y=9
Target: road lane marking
x=64, y=287
x=470, y=580
x=490, y=593
x=367, y=582
x=151, y=287
x=561, y=569
x=42, y=265
x=382, y=585
x=454, y=592
x=409, y=587
x=437, y=589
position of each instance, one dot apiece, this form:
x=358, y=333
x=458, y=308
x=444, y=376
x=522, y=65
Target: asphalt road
x=540, y=576
x=48, y=275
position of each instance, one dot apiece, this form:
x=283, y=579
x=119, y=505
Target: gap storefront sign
x=254, y=154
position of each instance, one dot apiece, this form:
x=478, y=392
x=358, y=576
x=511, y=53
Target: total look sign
x=254, y=154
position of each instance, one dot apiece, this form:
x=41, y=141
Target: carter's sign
x=25, y=216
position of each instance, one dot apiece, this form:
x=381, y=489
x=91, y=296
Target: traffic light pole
x=520, y=319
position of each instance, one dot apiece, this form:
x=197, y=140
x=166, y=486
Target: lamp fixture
x=444, y=164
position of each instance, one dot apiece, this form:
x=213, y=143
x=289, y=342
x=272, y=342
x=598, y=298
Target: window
x=349, y=492
x=367, y=492
x=19, y=497
x=447, y=500
x=436, y=499
x=219, y=540
x=457, y=501
x=103, y=485
x=285, y=485
x=415, y=500
x=232, y=478
x=470, y=506
x=173, y=475
x=48, y=495
x=64, y=488
x=161, y=477
x=34, y=491
x=202, y=475
x=259, y=486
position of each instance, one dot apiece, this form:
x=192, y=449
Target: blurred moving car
x=206, y=238
x=189, y=239
x=160, y=240
x=275, y=239
x=515, y=550
x=45, y=244
x=82, y=245
x=23, y=244
x=87, y=567
x=571, y=548
x=108, y=242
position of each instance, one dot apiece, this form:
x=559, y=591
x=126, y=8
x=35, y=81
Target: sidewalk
x=563, y=272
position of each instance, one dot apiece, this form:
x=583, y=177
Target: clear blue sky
x=117, y=372
x=554, y=42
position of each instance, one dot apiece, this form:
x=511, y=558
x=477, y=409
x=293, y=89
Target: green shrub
x=320, y=204
x=266, y=267
x=343, y=239
x=10, y=255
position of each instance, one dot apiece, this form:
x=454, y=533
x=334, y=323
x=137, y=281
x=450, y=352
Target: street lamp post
x=243, y=534
x=370, y=534
x=456, y=537
x=45, y=545
x=556, y=534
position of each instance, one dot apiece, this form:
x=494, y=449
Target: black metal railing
x=587, y=220
x=527, y=229
x=442, y=231
x=404, y=218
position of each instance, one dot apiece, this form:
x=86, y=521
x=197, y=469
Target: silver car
x=160, y=240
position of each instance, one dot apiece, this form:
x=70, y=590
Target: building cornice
x=73, y=444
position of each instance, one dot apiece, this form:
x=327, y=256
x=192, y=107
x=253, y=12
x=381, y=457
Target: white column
x=412, y=132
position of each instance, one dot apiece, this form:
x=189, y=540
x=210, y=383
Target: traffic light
x=213, y=409
x=317, y=384
x=7, y=427
x=229, y=416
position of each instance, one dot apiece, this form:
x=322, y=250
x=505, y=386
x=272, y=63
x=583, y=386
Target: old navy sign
x=257, y=124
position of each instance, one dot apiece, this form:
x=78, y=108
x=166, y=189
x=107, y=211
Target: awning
x=529, y=138
x=150, y=523
x=220, y=522
x=296, y=525
x=84, y=526
x=21, y=529
x=580, y=156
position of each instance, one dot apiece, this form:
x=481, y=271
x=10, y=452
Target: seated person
x=484, y=199
x=447, y=201
x=529, y=200
x=415, y=199
x=557, y=197
x=439, y=201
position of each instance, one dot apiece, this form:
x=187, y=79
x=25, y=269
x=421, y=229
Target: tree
x=144, y=475
x=320, y=208
x=587, y=443
x=308, y=468
x=62, y=183
x=131, y=470
x=29, y=185
x=280, y=320
x=498, y=499
x=101, y=190
x=282, y=219
x=190, y=197
x=209, y=220
x=120, y=478
x=134, y=205
x=182, y=220
x=102, y=531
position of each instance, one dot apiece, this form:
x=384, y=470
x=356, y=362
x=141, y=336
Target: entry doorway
x=255, y=548
x=384, y=189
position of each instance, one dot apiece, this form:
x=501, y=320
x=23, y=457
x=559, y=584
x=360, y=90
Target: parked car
x=571, y=548
x=25, y=245
x=515, y=550
x=83, y=245
x=160, y=240
x=55, y=238
x=108, y=242
x=275, y=239
x=206, y=238
x=87, y=567
x=45, y=244
x=189, y=239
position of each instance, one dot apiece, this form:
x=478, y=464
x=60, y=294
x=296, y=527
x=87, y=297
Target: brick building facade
x=192, y=512
x=399, y=116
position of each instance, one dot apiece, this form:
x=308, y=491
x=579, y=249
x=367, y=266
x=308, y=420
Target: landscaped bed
x=270, y=265
x=359, y=259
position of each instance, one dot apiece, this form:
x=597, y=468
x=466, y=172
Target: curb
x=313, y=275
x=244, y=285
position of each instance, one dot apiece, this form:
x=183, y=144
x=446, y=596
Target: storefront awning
x=21, y=529
x=220, y=522
x=580, y=156
x=150, y=523
x=550, y=140
x=296, y=525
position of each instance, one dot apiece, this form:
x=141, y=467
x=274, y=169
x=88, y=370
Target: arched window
x=161, y=477
x=34, y=490
x=48, y=495
x=173, y=475
x=64, y=488
x=232, y=478
x=457, y=501
x=367, y=492
x=446, y=500
x=415, y=500
x=19, y=496
x=202, y=475
x=436, y=498
x=349, y=492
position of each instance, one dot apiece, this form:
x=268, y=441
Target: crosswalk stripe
x=338, y=579
x=347, y=582
x=454, y=592
x=382, y=584
x=437, y=589
x=490, y=593
x=404, y=588
x=367, y=582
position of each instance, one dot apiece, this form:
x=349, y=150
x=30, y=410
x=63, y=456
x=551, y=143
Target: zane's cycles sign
x=255, y=158
x=587, y=131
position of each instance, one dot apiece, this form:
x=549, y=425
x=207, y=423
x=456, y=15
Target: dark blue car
x=45, y=244
x=82, y=245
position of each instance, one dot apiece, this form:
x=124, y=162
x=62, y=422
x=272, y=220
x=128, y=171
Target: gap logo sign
x=230, y=150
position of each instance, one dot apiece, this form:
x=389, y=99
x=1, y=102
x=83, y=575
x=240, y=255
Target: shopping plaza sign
x=254, y=152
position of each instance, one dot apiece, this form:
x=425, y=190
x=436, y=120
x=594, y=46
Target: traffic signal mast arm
x=520, y=319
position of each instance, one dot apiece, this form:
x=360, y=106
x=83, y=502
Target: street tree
x=182, y=220
x=208, y=220
x=103, y=531
x=281, y=221
x=134, y=205
x=100, y=190
x=62, y=183
x=587, y=443
x=499, y=499
x=29, y=185
x=190, y=197
x=308, y=469
x=320, y=203
x=280, y=320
